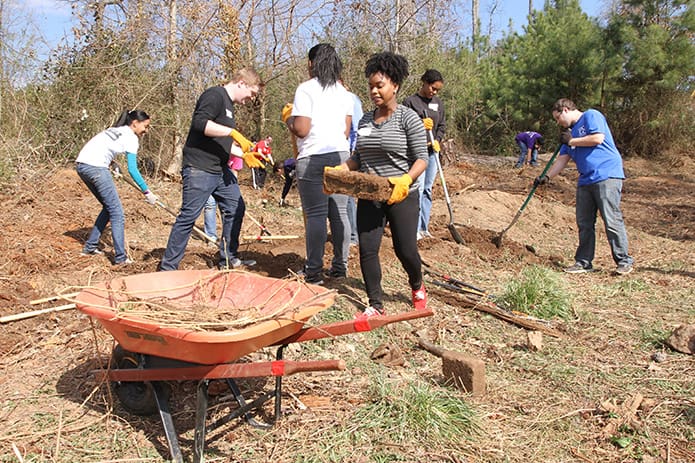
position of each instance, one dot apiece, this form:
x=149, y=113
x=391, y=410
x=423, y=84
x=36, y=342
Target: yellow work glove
x=401, y=186
x=241, y=140
x=286, y=112
x=326, y=190
x=435, y=146
x=428, y=123
x=251, y=160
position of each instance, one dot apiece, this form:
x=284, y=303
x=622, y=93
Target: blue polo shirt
x=595, y=163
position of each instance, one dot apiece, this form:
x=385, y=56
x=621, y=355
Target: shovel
x=117, y=173
x=452, y=229
x=497, y=240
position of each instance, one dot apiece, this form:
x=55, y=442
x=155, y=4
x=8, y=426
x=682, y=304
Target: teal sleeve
x=134, y=172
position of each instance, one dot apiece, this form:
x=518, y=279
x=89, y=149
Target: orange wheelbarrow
x=195, y=324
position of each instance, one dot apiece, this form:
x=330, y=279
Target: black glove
x=541, y=180
x=565, y=136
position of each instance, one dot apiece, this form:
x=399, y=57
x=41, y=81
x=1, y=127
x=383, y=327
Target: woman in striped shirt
x=391, y=143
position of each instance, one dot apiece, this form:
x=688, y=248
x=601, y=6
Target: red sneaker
x=420, y=298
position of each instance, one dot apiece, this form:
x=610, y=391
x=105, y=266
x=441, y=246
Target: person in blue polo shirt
x=588, y=141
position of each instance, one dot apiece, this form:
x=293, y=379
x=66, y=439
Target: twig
x=34, y=313
x=52, y=298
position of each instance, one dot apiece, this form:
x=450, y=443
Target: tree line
x=637, y=65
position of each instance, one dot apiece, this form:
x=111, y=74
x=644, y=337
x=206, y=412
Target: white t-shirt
x=327, y=108
x=104, y=146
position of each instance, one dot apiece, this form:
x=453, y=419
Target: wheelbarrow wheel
x=137, y=397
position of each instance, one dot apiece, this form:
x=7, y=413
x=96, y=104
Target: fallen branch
x=492, y=309
x=34, y=313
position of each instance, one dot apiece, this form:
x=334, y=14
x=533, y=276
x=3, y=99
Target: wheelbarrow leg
x=162, y=398
x=244, y=407
x=278, y=386
x=200, y=415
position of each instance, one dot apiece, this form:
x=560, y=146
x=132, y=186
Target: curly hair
x=393, y=66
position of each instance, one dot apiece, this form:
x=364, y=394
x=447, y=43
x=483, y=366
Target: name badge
x=364, y=131
x=228, y=113
x=433, y=106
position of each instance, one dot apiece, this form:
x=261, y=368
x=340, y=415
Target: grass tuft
x=540, y=292
x=416, y=412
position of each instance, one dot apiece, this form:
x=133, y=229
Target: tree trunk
x=476, y=24
x=173, y=168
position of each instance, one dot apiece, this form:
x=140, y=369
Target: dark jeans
x=318, y=207
x=603, y=197
x=198, y=185
x=100, y=182
x=403, y=217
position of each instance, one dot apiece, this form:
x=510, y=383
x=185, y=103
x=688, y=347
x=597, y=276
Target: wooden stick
x=33, y=313
x=53, y=298
x=498, y=312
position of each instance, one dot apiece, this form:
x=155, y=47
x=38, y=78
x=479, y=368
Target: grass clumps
x=539, y=292
x=413, y=412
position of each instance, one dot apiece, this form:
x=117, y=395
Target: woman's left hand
x=401, y=187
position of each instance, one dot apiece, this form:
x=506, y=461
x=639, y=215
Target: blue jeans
x=352, y=216
x=523, y=150
x=100, y=183
x=603, y=197
x=198, y=186
x=317, y=207
x=426, y=180
x=210, y=217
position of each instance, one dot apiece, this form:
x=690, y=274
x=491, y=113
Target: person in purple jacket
x=529, y=143
x=587, y=140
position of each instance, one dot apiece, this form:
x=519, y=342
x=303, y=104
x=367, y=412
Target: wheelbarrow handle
x=221, y=371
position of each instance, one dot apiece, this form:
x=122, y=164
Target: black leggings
x=402, y=217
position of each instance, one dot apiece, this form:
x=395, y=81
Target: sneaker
x=420, y=298
x=335, y=274
x=313, y=279
x=422, y=234
x=212, y=240
x=316, y=279
x=370, y=312
x=93, y=252
x=533, y=164
x=623, y=269
x=578, y=267
x=128, y=261
x=236, y=263
x=518, y=166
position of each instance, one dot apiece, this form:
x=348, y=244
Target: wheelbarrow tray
x=237, y=290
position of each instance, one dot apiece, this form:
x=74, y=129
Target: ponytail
x=127, y=117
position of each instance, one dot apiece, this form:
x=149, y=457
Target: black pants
x=259, y=175
x=372, y=217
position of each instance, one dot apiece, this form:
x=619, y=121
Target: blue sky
x=55, y=20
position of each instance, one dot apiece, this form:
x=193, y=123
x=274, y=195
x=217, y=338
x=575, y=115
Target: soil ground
x=547, y=406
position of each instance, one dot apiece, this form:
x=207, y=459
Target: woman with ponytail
x=92, y=166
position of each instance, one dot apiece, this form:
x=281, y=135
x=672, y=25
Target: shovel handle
x=163, y=206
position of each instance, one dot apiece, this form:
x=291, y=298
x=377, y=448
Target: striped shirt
x=390, y=148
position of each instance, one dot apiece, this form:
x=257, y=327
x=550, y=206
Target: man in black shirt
x=205, y=171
